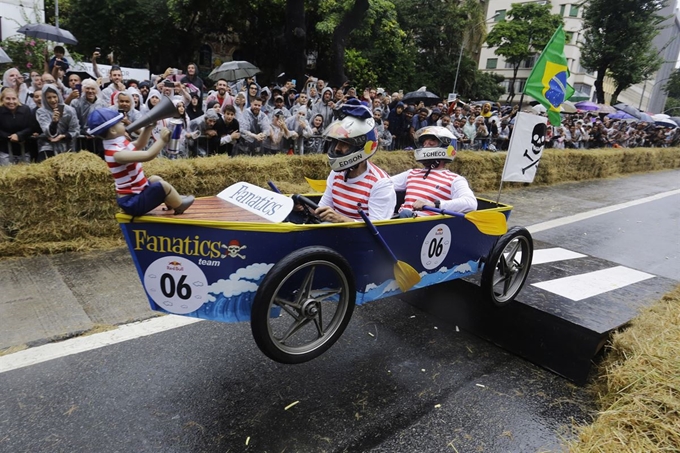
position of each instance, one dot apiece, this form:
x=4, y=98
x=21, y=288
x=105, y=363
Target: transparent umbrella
x=234, y=70
x=4, y=58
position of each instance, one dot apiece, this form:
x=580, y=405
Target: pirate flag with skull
x=526, y=148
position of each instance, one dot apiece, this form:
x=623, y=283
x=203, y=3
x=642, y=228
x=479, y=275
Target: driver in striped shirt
x=355, y=181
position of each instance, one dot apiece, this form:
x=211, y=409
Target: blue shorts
x=139, y=204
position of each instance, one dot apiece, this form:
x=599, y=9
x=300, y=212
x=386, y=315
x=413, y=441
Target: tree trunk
x=511, y=88
x=296, y=40
x=599, y=83
x=615, y=96
x=349, y=22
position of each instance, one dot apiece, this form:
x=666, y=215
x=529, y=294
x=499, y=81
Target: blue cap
x=101, y=120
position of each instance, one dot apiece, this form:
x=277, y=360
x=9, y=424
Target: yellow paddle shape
x=492, y=223
x=318, y=185
x=404, y=274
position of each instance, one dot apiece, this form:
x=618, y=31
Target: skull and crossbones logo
x=537, y=145
x=233, y=249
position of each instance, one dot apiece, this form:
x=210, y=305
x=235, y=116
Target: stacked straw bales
x=68, y=202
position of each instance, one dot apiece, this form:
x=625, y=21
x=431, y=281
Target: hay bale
x=638, y=389
x=69, y=203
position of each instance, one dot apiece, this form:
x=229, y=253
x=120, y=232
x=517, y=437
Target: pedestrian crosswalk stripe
x=579, y=287
x=554, y=254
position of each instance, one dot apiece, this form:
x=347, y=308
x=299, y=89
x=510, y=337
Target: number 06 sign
x=435, y=246
x=176, y=284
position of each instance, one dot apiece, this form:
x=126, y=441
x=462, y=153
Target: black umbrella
x=4, y=58
x=80, y=70
x=48, y=32
x=416, y=97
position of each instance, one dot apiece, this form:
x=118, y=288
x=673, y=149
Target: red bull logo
x=175, y=266
x=439, y=232
x=337, y=130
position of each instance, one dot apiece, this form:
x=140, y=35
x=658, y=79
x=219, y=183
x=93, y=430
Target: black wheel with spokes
x=508, y=265
x=303, y=305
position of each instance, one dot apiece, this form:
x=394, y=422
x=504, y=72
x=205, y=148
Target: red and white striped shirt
x=451, y=189
x=373, y=190
x=129, y=178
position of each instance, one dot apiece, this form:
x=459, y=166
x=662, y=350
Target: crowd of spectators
x=42, y=115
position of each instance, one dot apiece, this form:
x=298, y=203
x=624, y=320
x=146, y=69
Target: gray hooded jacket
x=322, y=108
x=67, y=125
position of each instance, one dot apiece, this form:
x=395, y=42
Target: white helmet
x=358, y=133
x=445, y=150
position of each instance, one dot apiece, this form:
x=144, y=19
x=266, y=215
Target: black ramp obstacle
x=563, y=316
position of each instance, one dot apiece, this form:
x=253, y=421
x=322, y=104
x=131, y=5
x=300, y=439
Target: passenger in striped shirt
x=354, y=181
x=434, y=185
x=137, y=195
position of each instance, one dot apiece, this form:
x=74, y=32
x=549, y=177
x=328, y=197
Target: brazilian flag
x=548, y=80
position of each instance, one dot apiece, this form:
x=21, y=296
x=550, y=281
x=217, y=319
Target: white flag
x=526, y=148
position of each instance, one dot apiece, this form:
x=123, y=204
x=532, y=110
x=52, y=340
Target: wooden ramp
x=211, y=209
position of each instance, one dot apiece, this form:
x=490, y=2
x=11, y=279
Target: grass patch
x=13, y=349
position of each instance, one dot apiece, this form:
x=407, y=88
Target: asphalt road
x=398, y=380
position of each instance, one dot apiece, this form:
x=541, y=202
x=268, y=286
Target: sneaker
x=187, y=200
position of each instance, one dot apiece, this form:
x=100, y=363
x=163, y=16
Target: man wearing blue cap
x=137, y=195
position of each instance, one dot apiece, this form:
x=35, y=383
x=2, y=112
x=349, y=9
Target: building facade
x=16, y=13
x=648, y=96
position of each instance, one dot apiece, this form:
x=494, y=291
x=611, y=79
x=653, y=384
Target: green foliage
x=528, y=31
x=526, y=34
x=672, y=106
x=486, y=86
x=634, y=66
x=399, y=44
x=619, y=33
x=359, y=69
x=672, y=87
x=136, y=30
x=27, y=54
x=438, y=31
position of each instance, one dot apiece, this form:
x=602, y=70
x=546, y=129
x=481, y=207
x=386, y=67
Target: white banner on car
x=269, y=205
x=526, y=148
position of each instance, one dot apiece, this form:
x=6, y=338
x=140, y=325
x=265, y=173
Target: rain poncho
x=83, y=107
x=22, y=92
x=67, y=125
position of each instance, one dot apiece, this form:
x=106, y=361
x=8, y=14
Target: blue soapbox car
x=298, y=284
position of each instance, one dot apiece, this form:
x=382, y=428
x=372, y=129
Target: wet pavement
x=398, y=380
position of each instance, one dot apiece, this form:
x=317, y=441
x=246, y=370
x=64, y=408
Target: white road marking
x=596, y=212
x=551, y=255
x=77, y=345
x=579, y=287
x=126, y=332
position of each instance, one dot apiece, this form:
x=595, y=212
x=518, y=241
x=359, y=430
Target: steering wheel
x=308, y=207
